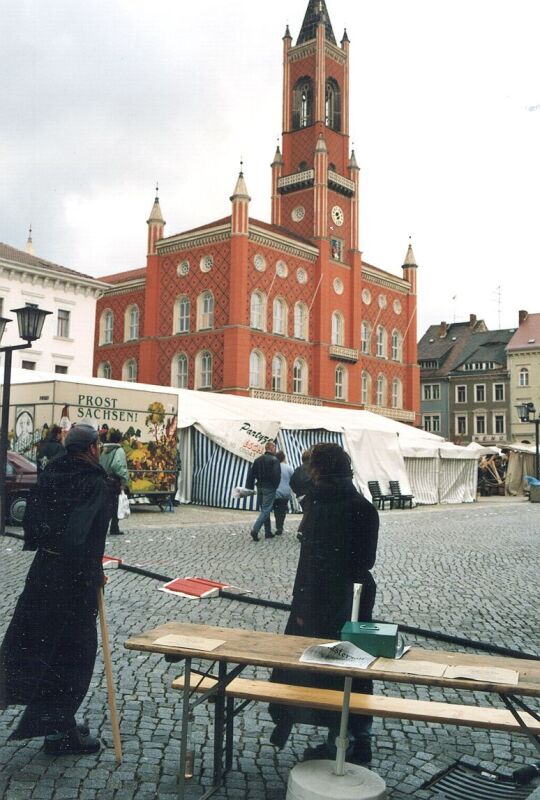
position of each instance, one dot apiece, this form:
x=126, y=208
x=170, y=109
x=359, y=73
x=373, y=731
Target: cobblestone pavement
x=469, y=570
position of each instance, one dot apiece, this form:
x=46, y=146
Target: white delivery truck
x=146, y=417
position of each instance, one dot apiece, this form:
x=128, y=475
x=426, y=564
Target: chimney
x=523, y=316
x=443, y=330
x=472, y=320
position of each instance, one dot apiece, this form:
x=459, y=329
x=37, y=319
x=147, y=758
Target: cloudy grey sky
x=100, y=99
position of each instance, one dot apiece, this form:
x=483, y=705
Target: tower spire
x=156, y=224
x=29, y=245
x=316, y=14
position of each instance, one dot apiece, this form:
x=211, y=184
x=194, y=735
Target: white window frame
x=380, y=391
x=523, y=376
x=63, y=322
x=131, y=323
x=381, y=341
x=366, y=388
x=182, y=314
x=279, y=373
x=500, y=399
x=300, y=384
x=365, y=338
x=256, y=370
x=341, y=382
x=338, y=329
x=180, y=377
x=104, y=370
x=431, y=391
x=257, y=305
x=279, y=316
x=496, y=415
x=477, y=387
x=397, y=393
x=205, y=308
x=337, y=248
x=130, y=370
x=204, y=368
x=478, y=417
x=106, y=327
x=456, y=424
x=458, y=387
x=396, y=346
x=301, y=321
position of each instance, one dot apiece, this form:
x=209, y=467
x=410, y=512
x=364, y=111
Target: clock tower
x=315, y=177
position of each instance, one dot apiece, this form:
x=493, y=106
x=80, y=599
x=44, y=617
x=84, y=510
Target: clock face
x=338, y=215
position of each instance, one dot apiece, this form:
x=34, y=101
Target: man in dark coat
x=266, y=473
x=51, y=447
x=48, y=654
x=339, y=544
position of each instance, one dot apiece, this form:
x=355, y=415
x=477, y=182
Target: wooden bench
x=373, y=705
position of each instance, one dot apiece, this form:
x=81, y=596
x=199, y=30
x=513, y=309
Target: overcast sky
x=99, y=100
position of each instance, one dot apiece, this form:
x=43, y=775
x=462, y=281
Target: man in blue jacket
x=265, y=472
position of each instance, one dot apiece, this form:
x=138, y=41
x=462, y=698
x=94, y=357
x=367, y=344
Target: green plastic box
x=376, y=638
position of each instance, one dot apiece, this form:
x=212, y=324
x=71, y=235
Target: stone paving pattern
x=469, y=570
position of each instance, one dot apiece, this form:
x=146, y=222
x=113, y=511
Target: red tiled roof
x=527, y=336
x=128, y=275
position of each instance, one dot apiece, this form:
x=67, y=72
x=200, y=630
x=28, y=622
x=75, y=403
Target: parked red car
x=21, y=476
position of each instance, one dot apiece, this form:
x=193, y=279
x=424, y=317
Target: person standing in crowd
x=114, y=462
x=49, y=650
x=49, y=448
x=266, y=473
x=300, y=483
x=340, y=531
x=283, y=493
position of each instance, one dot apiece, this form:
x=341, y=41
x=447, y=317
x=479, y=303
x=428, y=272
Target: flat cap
x=81, y=436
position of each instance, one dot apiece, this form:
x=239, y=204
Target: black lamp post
x=30, y=319
x=524, y=411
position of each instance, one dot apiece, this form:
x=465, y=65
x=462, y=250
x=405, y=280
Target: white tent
x=220, y=434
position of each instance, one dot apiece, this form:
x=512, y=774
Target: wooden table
x=246, y=647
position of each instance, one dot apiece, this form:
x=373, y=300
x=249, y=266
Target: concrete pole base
x=316, y=780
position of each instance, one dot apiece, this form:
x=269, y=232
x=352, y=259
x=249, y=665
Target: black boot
x=72, y=743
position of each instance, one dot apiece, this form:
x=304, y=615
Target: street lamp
x=30, y=319
x=524, y=411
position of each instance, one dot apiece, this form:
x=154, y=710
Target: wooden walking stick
x=111, y=694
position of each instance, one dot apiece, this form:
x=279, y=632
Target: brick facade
x=243, y=278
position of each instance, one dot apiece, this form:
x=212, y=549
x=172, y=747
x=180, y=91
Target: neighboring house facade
x=479, y=396
x=439, y=351
x=523, y=352
x=66, y=344
x=287, y=309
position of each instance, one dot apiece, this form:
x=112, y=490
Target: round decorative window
x=301, y=275
x=338, y=215
x=182, y=268
x=259, y=262
x=282, y=269
x=366, y=296
x=397, y=306
x=338, y=286
x=206, y=264
x=382, y=301
x=298, y=213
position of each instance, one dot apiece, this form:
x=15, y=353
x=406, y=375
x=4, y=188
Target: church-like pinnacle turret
x=410, y=260
x=29, y=245
x=155, y=214
x=315, y=14
x=156, y=224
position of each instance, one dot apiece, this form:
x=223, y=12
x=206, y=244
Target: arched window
x=279, y=316
x=524, y=376
x=300, y=374
x=302, y=103
x=279, y=374
x=257, y=311
x=205, y=311
x=131, y=323
x=397, y=393
x=181, y=315
x=104, y=370
x=179, y=371
x=341, y=382
x=381, y=341
x=365, y=338
x=129, y=370
x=380, y=393
x=333, y=105
x=106, y=325
x=366, y=388
x=338, y=334
x=256, y=370
x=301, y=321
x=396, y=346
x=203, y=370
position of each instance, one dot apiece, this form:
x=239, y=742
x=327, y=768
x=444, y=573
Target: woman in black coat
x=340, y=531
x=49, y=650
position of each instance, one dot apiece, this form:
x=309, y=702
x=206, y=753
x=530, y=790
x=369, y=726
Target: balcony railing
x=344, y=353
x=262, y=394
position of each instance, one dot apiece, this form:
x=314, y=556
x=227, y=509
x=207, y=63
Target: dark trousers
x=281, y=506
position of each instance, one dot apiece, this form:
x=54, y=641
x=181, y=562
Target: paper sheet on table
x=427, y=668
x=486, y=674
x=337, y=654
x=189, y=642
